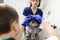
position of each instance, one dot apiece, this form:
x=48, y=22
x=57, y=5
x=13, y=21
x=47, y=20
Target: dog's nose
x=33, y=21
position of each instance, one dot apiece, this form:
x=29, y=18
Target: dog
x=32, y=31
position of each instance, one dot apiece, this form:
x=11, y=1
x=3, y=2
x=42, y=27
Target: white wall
x=54, y=8
x=19, y=5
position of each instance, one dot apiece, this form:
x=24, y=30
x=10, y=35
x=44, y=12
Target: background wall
x=51, y=9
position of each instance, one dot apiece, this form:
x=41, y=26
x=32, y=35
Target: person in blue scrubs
x=33, y=9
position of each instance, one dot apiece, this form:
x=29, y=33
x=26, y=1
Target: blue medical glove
x=25, y=22
x=38, y=18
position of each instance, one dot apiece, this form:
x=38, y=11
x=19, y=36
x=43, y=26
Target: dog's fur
x=32, y=33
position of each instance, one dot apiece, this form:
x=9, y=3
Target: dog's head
x=33, y=23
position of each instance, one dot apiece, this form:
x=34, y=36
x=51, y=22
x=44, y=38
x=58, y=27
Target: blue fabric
x=37, y=18
x=25, y=22
x=28, y=11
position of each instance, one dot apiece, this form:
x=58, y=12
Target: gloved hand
x=38, y=18
x=26, y=21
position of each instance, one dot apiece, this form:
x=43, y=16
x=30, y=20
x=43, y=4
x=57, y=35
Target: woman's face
x=35, y=3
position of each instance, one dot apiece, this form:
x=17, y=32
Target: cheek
x=37, y=3
x=17, y=27
x=32, y=3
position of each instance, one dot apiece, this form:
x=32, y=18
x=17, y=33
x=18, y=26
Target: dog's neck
x=32, y=27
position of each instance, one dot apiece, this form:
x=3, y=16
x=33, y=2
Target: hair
x=38, y=4
x=7, y=16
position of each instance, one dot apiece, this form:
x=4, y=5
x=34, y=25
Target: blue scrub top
x=28, y=11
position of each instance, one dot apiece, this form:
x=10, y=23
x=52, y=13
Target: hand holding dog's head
x=36, y=19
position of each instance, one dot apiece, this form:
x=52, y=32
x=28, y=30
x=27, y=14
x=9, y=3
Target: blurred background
x=51, y=13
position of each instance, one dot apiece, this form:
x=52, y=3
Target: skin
x=34, y=5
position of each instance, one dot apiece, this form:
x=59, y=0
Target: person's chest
x=32, y=12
